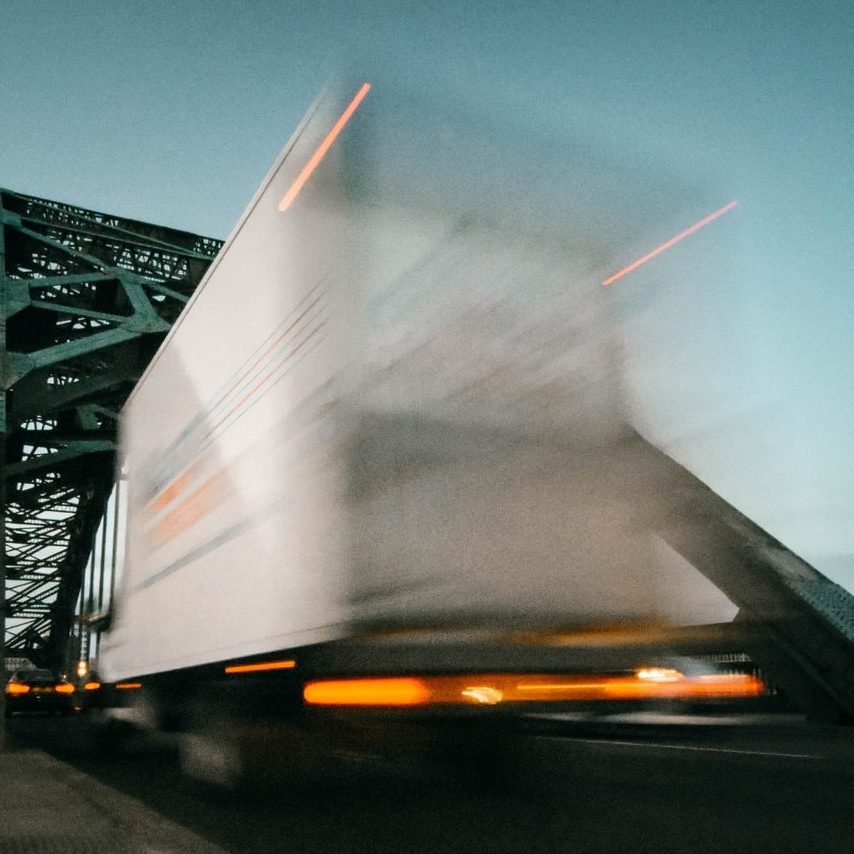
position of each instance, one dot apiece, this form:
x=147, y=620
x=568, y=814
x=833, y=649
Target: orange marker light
x=324, y=146
x=17, y=688
x=91, y=686
x=64, y=688
x=125, y=686
x=367, y=692
x=668, y=243
x=285, y=664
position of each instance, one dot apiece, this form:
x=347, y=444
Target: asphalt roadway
x=574, y=787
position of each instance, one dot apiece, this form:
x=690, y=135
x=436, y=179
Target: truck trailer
x=381, y=468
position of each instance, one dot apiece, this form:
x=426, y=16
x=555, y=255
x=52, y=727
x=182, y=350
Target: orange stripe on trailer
x=195, y=506
x=264, y=353
x=170, y=492
x=270, y=373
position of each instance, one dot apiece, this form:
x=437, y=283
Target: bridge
x=87, y=299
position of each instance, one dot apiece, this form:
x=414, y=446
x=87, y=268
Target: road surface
x=574, y=788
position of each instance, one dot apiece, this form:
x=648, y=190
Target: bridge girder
x=87, y=298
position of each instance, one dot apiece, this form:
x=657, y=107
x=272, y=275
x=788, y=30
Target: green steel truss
x=87, y=298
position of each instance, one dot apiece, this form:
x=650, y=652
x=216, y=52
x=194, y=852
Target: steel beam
x=87, y=297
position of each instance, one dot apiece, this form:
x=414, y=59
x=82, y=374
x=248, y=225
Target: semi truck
x=380, y=469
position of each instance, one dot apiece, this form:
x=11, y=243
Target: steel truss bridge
x=87, y=299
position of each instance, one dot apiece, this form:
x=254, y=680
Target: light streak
x=483, y=694
x=399, y=691
x=285, y=664
x=668, y=243
x=305, y=172
x=533, y=688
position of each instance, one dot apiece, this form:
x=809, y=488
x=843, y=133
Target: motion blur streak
x=659, y=674
x=493, y=688
x=637, y=688
x=367, y=692
x=483, y=694
x=318, y=155
x=672, y=242
x=125, y=686
x=285, y=664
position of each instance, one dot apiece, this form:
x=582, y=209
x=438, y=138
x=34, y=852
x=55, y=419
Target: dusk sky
x=739, y=342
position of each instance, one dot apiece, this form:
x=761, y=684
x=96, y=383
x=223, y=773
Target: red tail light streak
x=314, y=160
x=668, y=243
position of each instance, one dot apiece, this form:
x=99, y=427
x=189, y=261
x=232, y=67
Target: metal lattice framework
x=87, y=299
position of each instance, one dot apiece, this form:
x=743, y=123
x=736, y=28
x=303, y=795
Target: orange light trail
x=285, y=664
x=400, y=691
x=128, y=686
x=324, y=146
x=493, y=688
x=672, y=242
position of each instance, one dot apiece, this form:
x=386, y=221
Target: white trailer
x=384, y=436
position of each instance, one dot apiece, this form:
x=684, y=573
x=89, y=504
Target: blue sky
x=173, y=111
